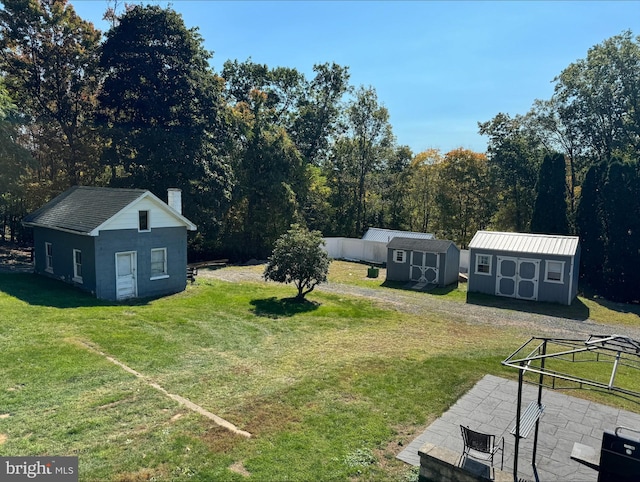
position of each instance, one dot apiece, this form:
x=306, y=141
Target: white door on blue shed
x=517, y=277
x=424, y=267
x=126, y=275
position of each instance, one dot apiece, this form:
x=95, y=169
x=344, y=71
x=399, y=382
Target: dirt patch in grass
x=264, y=417
x=238, y=468
x=3, y=438
x=220, y=440
x=139, y=476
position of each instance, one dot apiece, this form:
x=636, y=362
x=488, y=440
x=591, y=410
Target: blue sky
x=438, y=66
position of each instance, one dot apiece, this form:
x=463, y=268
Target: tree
x=609, y=229
x=514, y=156
x=422, y=190
x=14, y=161
x=601, y=95
x=393, y=189
x=318, y=112
x=550, y=209
x=164, y=115
x=298, y=257
x=463, y=195
x=621, y=270
x=590, y=224
x=557, y=128
x=48, y=56
x=361, y=151
x=271, y=173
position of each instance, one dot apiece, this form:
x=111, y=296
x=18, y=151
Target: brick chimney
x=174, y=199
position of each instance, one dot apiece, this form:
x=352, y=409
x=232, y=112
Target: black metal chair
x=481, y=446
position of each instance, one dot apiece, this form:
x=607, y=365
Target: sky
x=439, y=67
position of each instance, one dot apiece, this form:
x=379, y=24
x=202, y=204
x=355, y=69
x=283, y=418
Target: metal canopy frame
x=535, y=357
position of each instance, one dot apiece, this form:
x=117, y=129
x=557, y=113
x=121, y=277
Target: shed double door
x=517, y=277
x=424, y=267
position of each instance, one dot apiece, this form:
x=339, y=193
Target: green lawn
x=329, y=390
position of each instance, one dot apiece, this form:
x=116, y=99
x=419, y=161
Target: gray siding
x=447, y=270
x=481, y=282
x=63, y=244
x=397, y=271
x=451, y=266
x=111, y=242
x=563, y=293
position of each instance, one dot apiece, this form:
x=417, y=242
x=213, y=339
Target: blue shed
x=432, y=261
x=114, y=243
x=538, y=267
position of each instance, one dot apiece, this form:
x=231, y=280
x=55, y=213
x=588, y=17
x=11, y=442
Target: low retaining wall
x=438, y=464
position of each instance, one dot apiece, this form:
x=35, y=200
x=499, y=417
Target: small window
x=143, y=220
x=554, y=271
x=399, y=256
x=77, y=265
x=159, y=263
x=483, y=264
x=48, y=260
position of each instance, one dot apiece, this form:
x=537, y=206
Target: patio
x=490, y=407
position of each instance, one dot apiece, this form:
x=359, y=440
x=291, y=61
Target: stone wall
x=438, y=464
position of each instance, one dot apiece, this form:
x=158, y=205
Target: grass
x=329, y=389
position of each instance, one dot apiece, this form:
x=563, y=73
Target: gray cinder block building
x=114, y=243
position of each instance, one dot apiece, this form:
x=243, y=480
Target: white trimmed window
x=483, y=264
x=77, y=265
x=159, y=263
x=554, y=271
x=399, y=255
x=48, y=257
x=143, y=221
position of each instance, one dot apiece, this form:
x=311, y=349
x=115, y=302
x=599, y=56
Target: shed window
x=143, y=220
x=159, y=263
x=48, y=259
x=77, y=265
x=554, y=271
x=483, y=264
x=399, y=255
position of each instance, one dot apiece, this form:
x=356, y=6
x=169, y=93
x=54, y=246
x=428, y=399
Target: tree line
x=256, y=149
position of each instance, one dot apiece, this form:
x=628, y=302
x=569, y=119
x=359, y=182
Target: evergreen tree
x=622, y=220
x=550, y=209
x=591, y=229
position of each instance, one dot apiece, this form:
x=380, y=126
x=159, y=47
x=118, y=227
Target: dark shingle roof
x=82, y=208
x=427, y=245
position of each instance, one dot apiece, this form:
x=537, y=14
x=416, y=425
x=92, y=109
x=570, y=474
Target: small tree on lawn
x=298, y=258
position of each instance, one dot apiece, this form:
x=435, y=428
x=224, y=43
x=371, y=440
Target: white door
x=424, y=267
x=126, y=280
x=517, y=277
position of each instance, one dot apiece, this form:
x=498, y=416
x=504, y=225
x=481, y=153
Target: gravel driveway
x=534, y=323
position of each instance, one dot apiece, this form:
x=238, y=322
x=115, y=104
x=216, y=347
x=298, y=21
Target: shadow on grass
x=276, y=308
x=431, y=289
x=576, y=311
x=42, y=291
x=618, y=307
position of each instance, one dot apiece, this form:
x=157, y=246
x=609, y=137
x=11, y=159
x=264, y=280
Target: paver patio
x=490, y=407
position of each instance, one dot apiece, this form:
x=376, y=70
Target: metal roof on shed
x=525, y=243
x=425, y=245
x=386, y=235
